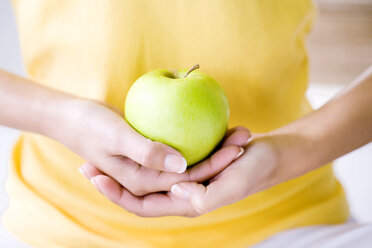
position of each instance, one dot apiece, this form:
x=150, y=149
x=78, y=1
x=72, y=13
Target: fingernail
x=180, y=192
x=82, y=172
x=174, y=163
x=93, y=181
x=240, y=153
x=248, y=140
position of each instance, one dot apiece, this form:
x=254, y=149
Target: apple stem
x=194, y=68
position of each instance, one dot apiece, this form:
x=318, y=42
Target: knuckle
x=118, y=143
x=137, y=190
x=148, y=152
x=211, y=163
x=200, y=207
x=140, y=183
x=138, y=187
x=189, y=177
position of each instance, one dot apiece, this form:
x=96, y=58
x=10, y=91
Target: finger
x=107, y=186
x=199, y=173
x=89, y=170
x=137, y=179
x=215, y=163
x=124, y=172
x=129, y=174
x=240, y=136
x=141, y=180
x=152, y=205
x=151, y=154
x=234, y=129
x=226, y=190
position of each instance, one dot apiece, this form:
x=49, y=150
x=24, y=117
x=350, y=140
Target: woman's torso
x=255, y=49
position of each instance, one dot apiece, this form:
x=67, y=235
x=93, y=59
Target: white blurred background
x=340, y=48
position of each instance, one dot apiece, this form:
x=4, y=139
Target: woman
x=84, y=56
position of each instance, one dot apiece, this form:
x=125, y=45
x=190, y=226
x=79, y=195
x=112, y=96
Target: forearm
x=28, y=106
x=340, y=126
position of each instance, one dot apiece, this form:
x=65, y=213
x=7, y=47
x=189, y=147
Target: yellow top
x=255, y=49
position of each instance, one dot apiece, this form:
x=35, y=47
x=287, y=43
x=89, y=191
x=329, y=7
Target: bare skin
x=99, y=134
x=340, y=126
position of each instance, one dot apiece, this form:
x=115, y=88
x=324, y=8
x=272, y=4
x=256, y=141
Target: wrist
x=56, y=114
x=265, y=147
x=295, y=153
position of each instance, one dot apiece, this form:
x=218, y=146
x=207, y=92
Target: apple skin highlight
x=188, y=113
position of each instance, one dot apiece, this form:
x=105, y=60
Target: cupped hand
x=252, y=172
x=99, y=134
x=256, y=170
x=139, y=180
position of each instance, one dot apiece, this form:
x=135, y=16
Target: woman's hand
x=340, y=126
x=139, y=180
x=254, y=171
x=91, y=129
x=99, y=134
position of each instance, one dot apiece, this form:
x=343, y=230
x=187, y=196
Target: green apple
x=187, y=110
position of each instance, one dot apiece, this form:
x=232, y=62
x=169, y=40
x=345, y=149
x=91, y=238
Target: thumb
x=194, y=192
x=226, y=190
x=148, y=153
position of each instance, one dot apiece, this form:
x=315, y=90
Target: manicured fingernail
x=248, y=140
x=240, y=153
x=174, y=163
x=180, y=192
x=82, y=172
x=93, y=181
